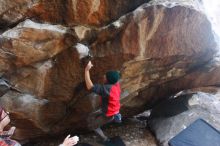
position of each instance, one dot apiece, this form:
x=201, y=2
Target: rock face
x=155, y=46
x=30, y=42
x=70, y=12
x=172, y=116
x=202, y=76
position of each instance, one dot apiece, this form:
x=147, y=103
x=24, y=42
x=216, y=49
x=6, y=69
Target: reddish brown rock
x=31, y=113
x=160, y=44
x=31, y=42
x=70, y=12
x=98, y=12
x=205, y=78
x=151, y=46
x=14, y=11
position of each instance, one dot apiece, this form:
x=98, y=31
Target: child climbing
x=110, y=100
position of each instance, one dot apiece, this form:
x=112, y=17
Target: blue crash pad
x=199, y=133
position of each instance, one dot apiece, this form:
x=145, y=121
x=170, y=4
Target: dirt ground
x=133, y=132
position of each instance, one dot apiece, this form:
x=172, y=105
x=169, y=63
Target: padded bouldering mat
x=199, y=133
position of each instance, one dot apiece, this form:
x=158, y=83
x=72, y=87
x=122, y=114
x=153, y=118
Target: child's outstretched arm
x=88, y=81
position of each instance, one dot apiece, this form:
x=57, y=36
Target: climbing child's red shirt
x=110, y=97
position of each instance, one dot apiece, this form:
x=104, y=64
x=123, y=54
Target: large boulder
x=13, y=11
x=202, y=76
x=171, y=116
x=70, y=12
x=31, y=42
x=157, y=43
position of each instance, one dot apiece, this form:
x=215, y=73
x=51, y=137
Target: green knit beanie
x=112, y=76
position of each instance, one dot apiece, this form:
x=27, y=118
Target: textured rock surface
x=70, y=12
x=31, y=42
x=156, y=47
x=202, y=76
